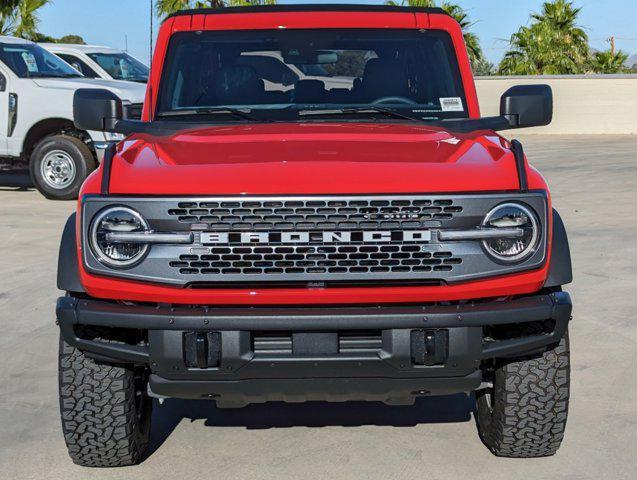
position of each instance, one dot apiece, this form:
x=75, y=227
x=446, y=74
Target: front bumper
x=246, y=355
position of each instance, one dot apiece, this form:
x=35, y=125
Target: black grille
x=349, y=342
x=252, y=260
x=303, y=215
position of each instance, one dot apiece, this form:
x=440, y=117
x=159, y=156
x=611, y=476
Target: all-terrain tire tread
x=530, y=405
x=98, y=410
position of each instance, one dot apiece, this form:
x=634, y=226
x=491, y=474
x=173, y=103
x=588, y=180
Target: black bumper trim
x=234, y=394
x=72, y=311
x=520, y=310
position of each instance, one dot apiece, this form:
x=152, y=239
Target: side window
x=78, y=64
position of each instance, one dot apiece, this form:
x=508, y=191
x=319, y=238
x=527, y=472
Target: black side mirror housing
x=3, y=83
x=97, y=109
x=526, y=106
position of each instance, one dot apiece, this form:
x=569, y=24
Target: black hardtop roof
x=310, y=8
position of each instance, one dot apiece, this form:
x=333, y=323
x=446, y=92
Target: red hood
x=312, y=159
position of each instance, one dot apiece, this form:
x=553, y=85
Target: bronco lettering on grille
x=225, y=238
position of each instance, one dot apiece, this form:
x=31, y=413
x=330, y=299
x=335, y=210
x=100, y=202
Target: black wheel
x=105, y=410
x=59, y=165
x=524, y=414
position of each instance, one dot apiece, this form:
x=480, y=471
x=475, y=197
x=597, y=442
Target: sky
x=114, y=22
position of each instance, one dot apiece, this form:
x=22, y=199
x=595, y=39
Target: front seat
x=384, y=78
x=239, y=85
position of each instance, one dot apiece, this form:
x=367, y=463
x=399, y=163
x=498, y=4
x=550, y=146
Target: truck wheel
x=524, y=414
x=59, y=165
x=105, y=410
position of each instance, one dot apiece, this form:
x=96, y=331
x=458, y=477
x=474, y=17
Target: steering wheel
x=390, y=100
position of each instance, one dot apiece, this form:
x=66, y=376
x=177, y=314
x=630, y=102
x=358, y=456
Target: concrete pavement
x=594, y=183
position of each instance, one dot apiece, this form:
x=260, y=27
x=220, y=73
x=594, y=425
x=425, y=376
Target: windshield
x=276, y=75
x=121, y=66
x=28, y=60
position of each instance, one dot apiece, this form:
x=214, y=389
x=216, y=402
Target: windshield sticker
x=451, y=104
x=123, y=65
x=29, y=60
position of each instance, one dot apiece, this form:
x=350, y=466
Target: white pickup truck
x=36, y=118
x=100, y=62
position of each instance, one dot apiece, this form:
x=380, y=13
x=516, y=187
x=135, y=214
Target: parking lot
x=594, y=185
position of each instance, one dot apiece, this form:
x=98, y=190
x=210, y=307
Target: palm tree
x=167, y=7
x=413, y=3
x=8, y=16
x=19, y=18
x=7, y=6
x=28, y=23
x=457, y=13
x=483, y=68
x=470, y=39
x=552, y=44
x=609, y=62
x=7, y=23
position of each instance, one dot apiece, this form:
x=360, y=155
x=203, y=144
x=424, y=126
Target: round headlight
x=512, y=249
x=117, y=254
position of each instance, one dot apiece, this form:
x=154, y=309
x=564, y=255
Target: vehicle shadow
x=448, y=409
x=15, y=181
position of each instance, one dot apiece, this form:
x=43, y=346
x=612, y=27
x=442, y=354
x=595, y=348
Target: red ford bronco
x=312, y=208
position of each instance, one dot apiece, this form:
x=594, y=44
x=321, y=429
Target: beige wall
x=597, y=104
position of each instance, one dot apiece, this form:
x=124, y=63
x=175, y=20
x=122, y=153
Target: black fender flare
x=560, y=269
x=68, y=278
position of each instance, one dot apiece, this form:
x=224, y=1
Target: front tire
x=524, y=414
x=59, y=165
x=105, y=410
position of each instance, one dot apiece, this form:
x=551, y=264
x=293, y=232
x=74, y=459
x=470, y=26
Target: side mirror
x=527, y=106
x=97, y=109
x=3, y=83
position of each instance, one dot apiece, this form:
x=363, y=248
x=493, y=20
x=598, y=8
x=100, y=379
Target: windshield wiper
x=208, y=111
x=365, y=109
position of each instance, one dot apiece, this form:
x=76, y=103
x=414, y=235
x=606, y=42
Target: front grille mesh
x=354, y=259
x=303, y=215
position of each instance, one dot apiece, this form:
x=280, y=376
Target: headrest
x=381, y=66
x=238, y=84
x=384, y=78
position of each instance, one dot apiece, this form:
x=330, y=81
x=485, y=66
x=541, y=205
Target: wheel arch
x=49, y=126
x=68, y=274
x=561, y=268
